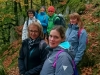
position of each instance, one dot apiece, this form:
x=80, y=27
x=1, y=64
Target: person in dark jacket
x=63, y=63
x=32, y=53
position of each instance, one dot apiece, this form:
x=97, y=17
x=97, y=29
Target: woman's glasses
x=30, y=13
x=33, y=31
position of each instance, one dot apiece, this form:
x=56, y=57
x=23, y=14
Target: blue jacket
x=63, y=63
x=43, y=18
x=79, y=44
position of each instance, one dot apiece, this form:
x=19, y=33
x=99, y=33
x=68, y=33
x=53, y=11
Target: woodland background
x=13, y=15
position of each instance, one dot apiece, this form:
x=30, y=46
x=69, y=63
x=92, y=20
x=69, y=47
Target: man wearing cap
x=51, y=14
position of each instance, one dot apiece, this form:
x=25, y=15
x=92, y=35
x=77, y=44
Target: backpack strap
x=56, y=58
x=79, y=32
x=41, y=46
x=35, y=20
x=74, y=68
x=27, y=22
x=41, y=43
x=73, y=63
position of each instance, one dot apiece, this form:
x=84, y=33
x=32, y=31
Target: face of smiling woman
x=30, y=14
x=54, y=38
x=33, y=31
x=73, y=20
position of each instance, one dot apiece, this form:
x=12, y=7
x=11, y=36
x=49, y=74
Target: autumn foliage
x=90, y=64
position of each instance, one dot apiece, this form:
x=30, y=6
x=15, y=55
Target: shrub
x=2, y=70
x=81, y=8
x=97, y=13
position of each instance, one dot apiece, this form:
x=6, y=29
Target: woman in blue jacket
x=77, y=41
x=32, y=53
x=43, y=18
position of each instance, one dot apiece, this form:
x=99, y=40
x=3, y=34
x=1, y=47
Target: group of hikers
x=64, y=48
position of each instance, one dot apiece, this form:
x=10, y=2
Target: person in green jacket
x=52, y=15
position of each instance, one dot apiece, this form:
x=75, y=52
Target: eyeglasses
x=33, y=31
x=30, y=13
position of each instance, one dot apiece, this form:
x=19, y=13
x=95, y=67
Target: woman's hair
x=31, y=10
x=40, y=29
x=43, y=7
x=77, y=16
x=60, y=29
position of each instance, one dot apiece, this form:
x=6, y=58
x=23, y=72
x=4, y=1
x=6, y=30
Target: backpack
x=79, y=32
x=59, y=20
x=73, y=63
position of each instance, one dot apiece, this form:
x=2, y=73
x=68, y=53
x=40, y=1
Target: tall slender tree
x=26, y=5
x=19, y=6
x=15, y=12
x=31, y=4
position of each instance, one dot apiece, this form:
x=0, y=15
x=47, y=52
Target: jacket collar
x=32, y=42
x=42, y=13
x=53, y=49
x=53, y=15
x=32, y=18
x=73, y=26
x=35, y=41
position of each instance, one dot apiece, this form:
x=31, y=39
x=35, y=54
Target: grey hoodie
x=63, y=65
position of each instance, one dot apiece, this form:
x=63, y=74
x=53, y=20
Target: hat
x=51, y=8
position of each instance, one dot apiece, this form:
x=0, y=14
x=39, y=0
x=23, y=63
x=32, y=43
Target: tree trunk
x=15, y=12
x=26, y=5
x=42, y=2
x=31, y=4
x=20, y=7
